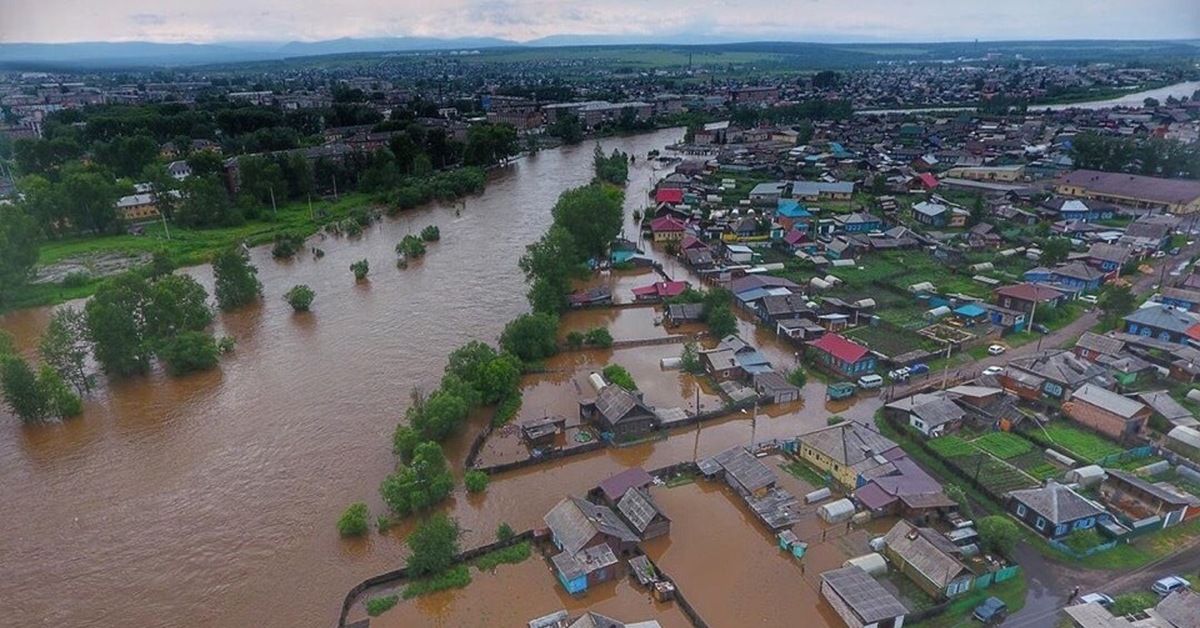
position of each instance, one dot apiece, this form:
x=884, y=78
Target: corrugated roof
x=848, y=443
x=616, y=486
x=639, y=509
x=574, y=521
x=840, y=348
x=1119, y=405
x=1057, y=503
x=927, y=551
x=863, y=594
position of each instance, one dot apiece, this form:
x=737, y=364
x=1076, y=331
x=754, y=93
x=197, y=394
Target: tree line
x=1152, y=156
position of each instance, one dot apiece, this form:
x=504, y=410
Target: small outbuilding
x=860, y=600
x=836, y=512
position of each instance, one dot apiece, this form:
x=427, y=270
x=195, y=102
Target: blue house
x=790, y=214
x=1164, y=322
x=857, y=222
x=1074, y=275
x=970, y=314
x=591, y=538
x=843, y=356
x=1079, y=210
x=1055, y=510
x=1181, y=298
x=932, y=214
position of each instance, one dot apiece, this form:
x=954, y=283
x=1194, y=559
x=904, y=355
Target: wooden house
x=1139, y=499
x=619, y=412
x=848, y=451
x=1054, y=510
x=590, y=538
x=929, y=559
x=642, y=514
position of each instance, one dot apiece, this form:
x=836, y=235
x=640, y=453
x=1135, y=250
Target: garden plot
x=1081, y=445
x=996, y=475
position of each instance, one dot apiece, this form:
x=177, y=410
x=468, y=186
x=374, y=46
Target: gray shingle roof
x=1162, y=494
x=863, y=594
x=746, y=470
x=1162, y=403
x=617, y=404
x=927, y=551
x=847, y=443
x=1163, y=317
x=573, y=565
x=1106, y=345
x=1181, y=609
x=639, y=509
x=1062, y=367
x=1057, y=503
x=1119, y=405
x=574, y=521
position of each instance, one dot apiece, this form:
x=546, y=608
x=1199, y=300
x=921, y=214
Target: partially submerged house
x=619, y=412
x=643, y=515
x=849, y=452
x=860, y=600
x=590, y=538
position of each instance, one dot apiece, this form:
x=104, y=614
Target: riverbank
x=1111, y=97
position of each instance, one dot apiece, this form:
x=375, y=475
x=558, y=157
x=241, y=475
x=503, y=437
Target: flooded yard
x=627, y=323
x=514, y=594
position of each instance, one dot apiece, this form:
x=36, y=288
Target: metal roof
x=574, y=521
x=1119, y=405
x=927, y=551
x=1057, y=503
x=745, y=469
x=639, y=509
x=863, y=594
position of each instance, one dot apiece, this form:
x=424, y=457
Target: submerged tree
x=237, y=281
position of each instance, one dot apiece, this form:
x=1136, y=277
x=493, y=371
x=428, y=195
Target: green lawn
x=890, y=341
x=1012, y=591
x=1083, y=445
x=1003, y=445
x=804, y=472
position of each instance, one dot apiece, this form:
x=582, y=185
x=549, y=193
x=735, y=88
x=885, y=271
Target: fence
x=556, y=454
x=1103, y=547
x=981, y=582
x=1137, y=453
x=692, y=614
x=398, y=575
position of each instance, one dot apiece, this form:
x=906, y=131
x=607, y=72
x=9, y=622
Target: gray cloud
x=870, y=20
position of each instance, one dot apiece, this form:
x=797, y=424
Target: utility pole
x=311, y=215
x=274, y=210
x=696, y=447
x=946, y=368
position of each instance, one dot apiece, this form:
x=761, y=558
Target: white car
x=1099, y=598
x=899, y=374
x=993, y=370
x=997, y=349
x=1169, y=585
x=1089, y=298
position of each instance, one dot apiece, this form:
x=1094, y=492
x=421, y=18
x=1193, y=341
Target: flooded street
x=211, y=500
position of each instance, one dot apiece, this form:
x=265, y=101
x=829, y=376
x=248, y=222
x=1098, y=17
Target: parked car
x=1089, y=298
x=1169, y=585
x=1040, y=328
x=1159, y=254
x=870, y=381
x=1174, y=251
x=899, y=374
x=993, y=370
x=992, y=610
x=997, y=349
x=1099, y=598
x=918, y=368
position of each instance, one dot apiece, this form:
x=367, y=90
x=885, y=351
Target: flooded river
x=210, y=500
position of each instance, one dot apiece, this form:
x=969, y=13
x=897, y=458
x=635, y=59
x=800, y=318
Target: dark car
x=993, y=610
x=1040, y=328
x=1174, y=251
x=918, y=368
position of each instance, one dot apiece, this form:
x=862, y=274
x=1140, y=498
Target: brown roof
x=1029, y=292
x=1173, y=191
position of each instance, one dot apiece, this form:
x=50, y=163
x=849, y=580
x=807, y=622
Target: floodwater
x=1132, y=99
x=210, y=500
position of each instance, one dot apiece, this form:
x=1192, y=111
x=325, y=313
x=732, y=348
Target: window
x=1041, y=524
x=1021, y=510
x=1060, y=530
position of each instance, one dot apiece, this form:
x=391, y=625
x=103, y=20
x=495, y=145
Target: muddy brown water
x=210, y=500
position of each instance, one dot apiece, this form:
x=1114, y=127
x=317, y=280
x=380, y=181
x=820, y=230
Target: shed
x=860, y=600
x=937, y=312
x=1184, y=441
x=872, y=563
x=1085, y=477
x=836, y=512
x=923, y=286
x=820, y=494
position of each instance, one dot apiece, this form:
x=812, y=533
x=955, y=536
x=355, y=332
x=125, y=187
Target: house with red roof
x=1024, y=297
x=673, y=196
x=842, y=356
x=660, y=290
x=667, y=229
x=922, y=181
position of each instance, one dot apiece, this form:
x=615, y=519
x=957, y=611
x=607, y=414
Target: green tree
x=432, y=546
x=797, y=377
x=404, y=441
x=421, y=484
x=116, y=328
x=411, y=247
x=613, y=168
x=19, y=237
x=92, y=199
x=431, y=233
x=442, y=414
x=567, y=128
x=22, y=394
x=61, y=401
x=1117, y=302
x=593, y=215
x=353, y=521
x=237, y=281
x=689, y=360
x=549, y=266
x=1131, y=603
x=1055, y=251
x=300, y=297
x=999, y=533
x=360, y=269
x=616, y=374
x=64, y=347
x=204, y=203
x=504, y=532
x=599, y=337
x=722, y=322
x=475, y=481
x=531, y=337
x=574, y=339
x=126, y=156
x=978, y=210
x=959, y=496
x=176, y=304
x=189, y=352
x=163, y=189
x=500, y=379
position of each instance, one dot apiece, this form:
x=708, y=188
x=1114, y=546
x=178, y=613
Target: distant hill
x=388, y=44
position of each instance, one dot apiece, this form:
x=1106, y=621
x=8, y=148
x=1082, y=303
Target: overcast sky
x=204, y=21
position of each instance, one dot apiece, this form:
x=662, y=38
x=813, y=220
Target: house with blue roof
x=1073, y=276
x=1166, y=323
x=792, y=216
x=970, y=314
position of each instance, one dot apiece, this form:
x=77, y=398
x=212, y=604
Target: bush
x=76, y=279
x=379, y=605
x=383, y=522
x=287, y=245
x=531, y=337
x=300, y=297
x=455, y=577
x=999, y=533
x=690, y=359
x=360, y=269
x=599, y=337
x=431, y=233
x=835, y=419
x=476, y=481
x=574, y=340
x=1132, y=603
x=353, y=521
x=507, y=410
x=432, y=546
x=411, y=247
x=1081, y=541
x=616, y=374
x=510, y=555
x=189, y=352
x=504, y=532
x=797, y=377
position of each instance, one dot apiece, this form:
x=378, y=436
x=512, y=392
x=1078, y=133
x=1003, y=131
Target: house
x=1108, y=257
x=792, y=216
x=135, y=207
x=732, y=358
x=1177, y=196
x=1024, y=297
x=1138, y=499
x=1164, y=322
x=860, y=600
x=667, y=229
x=821, y=191
x=857, y=222
x=849, y=452
x=775, y=387
x=797, y=240
x=929, y=559
x=660, y=291
x=611, y=490
x=590, y=538
x=619, y=412
x=1054, y=510
x=1116, y=416
x=766, y=193
x=684, y=313
x=542, y=432
x=642, y=514
x=739, y=253
x=924, y=181
x=699, y=258
x=932, y=214
x=742, y=471
x=842, y=356
x=907, y=492
x=1092, y=346
x=971, y=313
x=670, y=195
x=1165, y=406
x=984, y=236
x=1077, y=210
x=777, y=307
x=1051, y=373
x=1181, y=298
x=592, y=297
x=1072, y=276
x=1177, y=610
x=932, y=414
